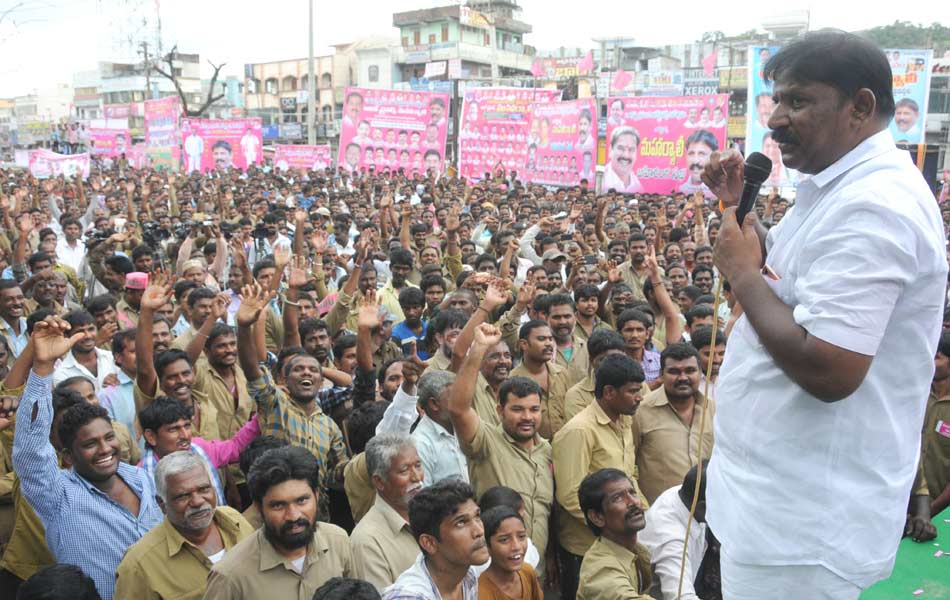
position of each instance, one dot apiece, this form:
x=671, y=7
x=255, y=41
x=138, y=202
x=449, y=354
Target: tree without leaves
x=170, y=75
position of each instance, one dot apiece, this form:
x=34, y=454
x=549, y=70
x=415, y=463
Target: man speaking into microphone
x=821, y=396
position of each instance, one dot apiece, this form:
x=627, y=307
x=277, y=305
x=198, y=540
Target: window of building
x=326, y=80
x=289, y=83
x=303, y=83
x=327, y=112
x=253, y=86
x=270, y=86
x=373, y=73
x=405, y=41
x=445, y=32
x=416, y=37
x=487, y=39
x=431, y=38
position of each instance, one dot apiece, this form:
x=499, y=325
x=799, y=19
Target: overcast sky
x=45, y=41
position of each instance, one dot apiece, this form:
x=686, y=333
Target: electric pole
x=311, y=89
x=148, y=72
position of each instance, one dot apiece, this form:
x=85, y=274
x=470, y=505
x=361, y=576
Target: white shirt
x=439, y=451
x=70, y=367
x=71, y=256
x=612, y=181
x=663, y=536
x=797, y=481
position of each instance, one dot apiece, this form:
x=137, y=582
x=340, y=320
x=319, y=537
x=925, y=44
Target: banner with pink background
x=302, y=157
x=45, y=164
x=660, y=144
x=495, y=126
x=112, y=142
x=393, y=129
x=564, y=151
x=217, y=144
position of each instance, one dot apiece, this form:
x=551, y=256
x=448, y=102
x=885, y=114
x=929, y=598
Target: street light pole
x=311, y=89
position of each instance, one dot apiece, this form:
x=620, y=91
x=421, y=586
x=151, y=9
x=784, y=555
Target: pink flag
x=621, y=79
x=537, y=69
x=709, y=63
x=586, y=64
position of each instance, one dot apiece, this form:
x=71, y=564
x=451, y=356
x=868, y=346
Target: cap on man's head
x=323, y=211
x=553, y=254
x=136, y=281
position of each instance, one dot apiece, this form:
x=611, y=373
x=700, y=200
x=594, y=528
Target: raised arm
x=599, y=222
x=298, y=276
x=495, y=296
x=156, y=295
x=253, y=300
x=367, y=320
x=219, y=308
x=464, y=418
x=674, y=328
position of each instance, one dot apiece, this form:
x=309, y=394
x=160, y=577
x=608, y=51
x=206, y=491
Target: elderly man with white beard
x=173, y=559
x=383, y=545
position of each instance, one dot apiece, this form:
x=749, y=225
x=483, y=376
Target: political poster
x=565, y=148
x=390, y=129
x=660, y=144
x=758, y=137
x=161, y=121
x=45, y=164
x=218, y=144
x=661, y=83
x=495, y=127
x=911, y=73
x=108, y=141
x=302, y=157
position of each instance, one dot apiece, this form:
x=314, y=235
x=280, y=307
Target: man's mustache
x=784, y=136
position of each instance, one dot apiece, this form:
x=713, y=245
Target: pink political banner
x=116, y=111
x=108, y=141
x=564, y=150
x=302, y=157
x=495, y=126
x=389, y=129
x=217, y=144
x=161, y=122
x=45, y=164
x=660, y=144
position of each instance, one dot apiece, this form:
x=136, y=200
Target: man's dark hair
x=702, y=269
x=434, y=504
x=164, y=411
x=844, y=61
x=617, y=370
x=346, y=588
x=430, y=281
x=183, y=286
x=119, y=264
x=519, y=387
x=219, y=330
x=202, y=293
x=558, y=300
x=705, y=299
x=36, y=258
x=381, y=372
x=484, y=258
x=264, y=263
x=58, y=582
x=678, y=351
x=279, y=465
x=411, y=296
x=702, y=338
x=636, y=237
x=526, y=329
x=308, y=326
x=698, y=311
x=140, y=251
x=500, y=495
x=588, y=290
x=634, y=314
x=78, y=318
x=166, y=358
x=692, y=292
x=604, y=340
x=343, y=343
x=494, y=517
x=591, y=492
x=78, y=416
x=122, y=339
x=943, y=344
x=361, y=424
x=67, y=221
x=101, y=303
x=400, y=257
x=65, y=397
x=447, y=319
x=36, y=316
x=256, y=449
x=705, y=136
x=688, y=489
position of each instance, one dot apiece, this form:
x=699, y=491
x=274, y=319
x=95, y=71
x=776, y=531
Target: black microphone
x=758, y=167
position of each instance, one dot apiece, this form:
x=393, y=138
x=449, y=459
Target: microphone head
x=758, y=167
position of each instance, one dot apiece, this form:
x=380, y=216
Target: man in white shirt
x=85, y=359
x=665, y=532
x=619, y=176
x=249, y=145
x=434, y=435
x=808, y=416
x=71, y=250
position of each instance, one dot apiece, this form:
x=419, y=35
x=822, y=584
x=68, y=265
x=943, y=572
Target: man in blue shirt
x=413, y=302
x=93, y=512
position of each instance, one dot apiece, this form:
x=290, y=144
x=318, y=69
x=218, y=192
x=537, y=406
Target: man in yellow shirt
x=173, y=559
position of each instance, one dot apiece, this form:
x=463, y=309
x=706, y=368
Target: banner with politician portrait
x=302, y=157
x=218, y=144
x=393, y=129
x=110, y=142
x=758, y=136
x=565, y=149
x=911, y=74
x=45, y=164
x=660, y=144
x=496, y=128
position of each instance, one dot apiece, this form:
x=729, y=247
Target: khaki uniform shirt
x=495, y=458
x=232, y=413
x=666, y=446
x=589, y=442
x=485, y=401
x=358, y=487
x=163, y=564
x=599, y=325
x=125, y=308
x=181, y=342
x=205, y=421
x=383, y=546
x=438, y=362
x=552, y=399
x=936, y=445
x=253, y=569
x=611, y=572
x=578, y=365
x=579, y=397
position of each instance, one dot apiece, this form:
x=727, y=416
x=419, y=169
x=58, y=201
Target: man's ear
x=596, y=518
x=150, y=437
x=428, y=543
x=865, y=105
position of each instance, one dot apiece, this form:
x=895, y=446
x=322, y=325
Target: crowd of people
x=331, y=385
